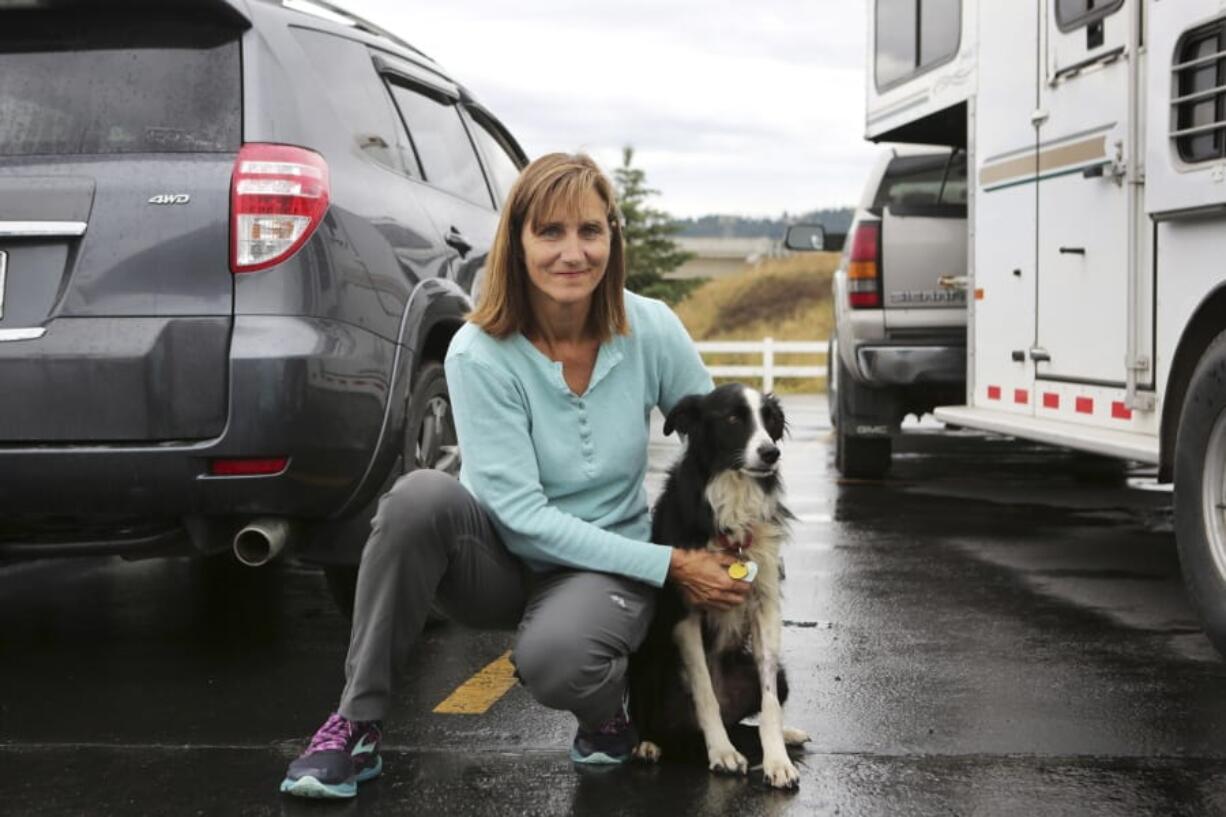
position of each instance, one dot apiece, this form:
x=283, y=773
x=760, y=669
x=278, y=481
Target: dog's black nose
x=769, y=454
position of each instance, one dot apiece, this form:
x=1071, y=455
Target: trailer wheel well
x=1207, y=322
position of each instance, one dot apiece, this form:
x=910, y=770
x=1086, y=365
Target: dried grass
x=783, y=298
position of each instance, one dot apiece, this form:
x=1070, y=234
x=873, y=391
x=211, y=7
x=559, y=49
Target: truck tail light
x=863, y=272
x=278, y=196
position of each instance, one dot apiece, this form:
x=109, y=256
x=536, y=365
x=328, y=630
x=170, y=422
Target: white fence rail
x=768, y=348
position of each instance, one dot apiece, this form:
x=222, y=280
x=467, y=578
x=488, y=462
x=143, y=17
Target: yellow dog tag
x=743, y=571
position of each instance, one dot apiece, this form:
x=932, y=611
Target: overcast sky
x=733, y=106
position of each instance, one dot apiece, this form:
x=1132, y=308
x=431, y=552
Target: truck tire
x=861, y=457
x=429, y=442
x=855, y=456
x=1200, y=491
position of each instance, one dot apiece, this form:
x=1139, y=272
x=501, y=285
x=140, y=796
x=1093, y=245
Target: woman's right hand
x=702, y=577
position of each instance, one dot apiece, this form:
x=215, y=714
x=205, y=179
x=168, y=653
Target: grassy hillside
x=784, y=298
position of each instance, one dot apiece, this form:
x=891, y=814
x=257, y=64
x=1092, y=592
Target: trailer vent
x=1199, y=94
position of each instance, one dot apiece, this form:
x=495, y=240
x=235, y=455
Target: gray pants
x=432, y=542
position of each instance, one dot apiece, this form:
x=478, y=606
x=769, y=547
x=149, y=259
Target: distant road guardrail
x=767, y=348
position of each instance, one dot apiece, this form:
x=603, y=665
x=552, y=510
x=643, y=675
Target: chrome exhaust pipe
x=260, y=541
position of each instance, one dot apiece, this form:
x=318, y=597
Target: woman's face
x=567, y=253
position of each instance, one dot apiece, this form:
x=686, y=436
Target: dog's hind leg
x=722, y=756
x=777, y=769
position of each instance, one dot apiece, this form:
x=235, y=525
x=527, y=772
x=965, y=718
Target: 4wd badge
x=170, y=198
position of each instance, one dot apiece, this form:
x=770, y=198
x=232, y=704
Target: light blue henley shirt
x=561, y=474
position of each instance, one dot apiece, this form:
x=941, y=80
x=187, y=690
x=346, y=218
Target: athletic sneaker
x=342, y=754
x=610, y=743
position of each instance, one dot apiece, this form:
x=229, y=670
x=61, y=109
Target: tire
x=1200, y=491
x=430, y=441
x=862, y=457
x=855, y=457
x=429, y=430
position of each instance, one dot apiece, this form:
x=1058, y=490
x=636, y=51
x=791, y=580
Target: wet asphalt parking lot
x=996, y=629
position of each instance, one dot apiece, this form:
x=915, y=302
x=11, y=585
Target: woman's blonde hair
x=553, y=183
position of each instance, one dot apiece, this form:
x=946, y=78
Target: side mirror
x=805, y=237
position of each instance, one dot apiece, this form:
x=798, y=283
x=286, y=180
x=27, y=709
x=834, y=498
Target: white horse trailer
x=1096, y=138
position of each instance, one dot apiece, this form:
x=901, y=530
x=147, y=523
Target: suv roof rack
x=333, y=13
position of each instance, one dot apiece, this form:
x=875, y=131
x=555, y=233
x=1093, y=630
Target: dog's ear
x=684, y=415
x=772, y=416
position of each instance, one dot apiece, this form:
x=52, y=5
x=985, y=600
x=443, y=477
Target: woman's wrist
x=676, y=560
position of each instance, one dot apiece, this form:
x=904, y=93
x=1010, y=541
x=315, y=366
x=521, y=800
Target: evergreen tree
x=650, y=249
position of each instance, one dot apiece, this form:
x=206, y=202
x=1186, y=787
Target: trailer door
x=1083, y=206
x=1003, y=255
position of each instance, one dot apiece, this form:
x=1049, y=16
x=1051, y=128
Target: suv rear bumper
x=314, y=391
x=910, y=365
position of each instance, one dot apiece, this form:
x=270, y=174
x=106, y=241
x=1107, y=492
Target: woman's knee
x=560, y=669
x=410, y=512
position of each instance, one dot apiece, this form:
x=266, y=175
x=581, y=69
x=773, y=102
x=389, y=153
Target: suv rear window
x=913, y=183
x=85, y=84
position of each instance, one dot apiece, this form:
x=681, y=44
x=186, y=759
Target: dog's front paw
x=728, y=760
x=647, y=751
x=780, y=773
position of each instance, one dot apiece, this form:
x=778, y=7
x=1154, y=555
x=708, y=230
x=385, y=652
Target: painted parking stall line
x=483, y=690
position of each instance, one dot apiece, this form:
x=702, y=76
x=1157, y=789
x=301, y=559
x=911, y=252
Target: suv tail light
x=863, y=273
x=278, y=196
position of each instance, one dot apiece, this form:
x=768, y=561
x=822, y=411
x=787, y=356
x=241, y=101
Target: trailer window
x=914, y=36
x=1071, y=14
x=1199, y=85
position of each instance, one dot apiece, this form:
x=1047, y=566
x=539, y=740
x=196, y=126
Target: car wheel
x=857, y=457
x=1200, y=491
x=430, y=441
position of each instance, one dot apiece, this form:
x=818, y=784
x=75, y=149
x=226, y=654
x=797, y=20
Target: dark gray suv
x=236, y=237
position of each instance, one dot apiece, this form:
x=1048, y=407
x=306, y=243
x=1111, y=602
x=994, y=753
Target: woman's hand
x=702, y=577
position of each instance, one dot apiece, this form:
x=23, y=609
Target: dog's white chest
x=738, y=502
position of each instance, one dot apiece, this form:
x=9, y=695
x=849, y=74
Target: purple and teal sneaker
x=342, y=754
x=611, y=743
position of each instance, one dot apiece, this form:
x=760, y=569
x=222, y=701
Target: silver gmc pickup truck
x=899, y=298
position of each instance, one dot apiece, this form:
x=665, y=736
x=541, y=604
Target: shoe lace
x=334, y=734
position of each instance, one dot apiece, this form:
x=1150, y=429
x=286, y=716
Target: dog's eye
x=733, y=419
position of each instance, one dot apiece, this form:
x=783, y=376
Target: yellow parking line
x=481, y=691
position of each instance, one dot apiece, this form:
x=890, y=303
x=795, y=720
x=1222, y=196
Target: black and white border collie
x=701, y=671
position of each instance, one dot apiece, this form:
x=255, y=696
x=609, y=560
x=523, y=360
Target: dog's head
x=733, y=428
